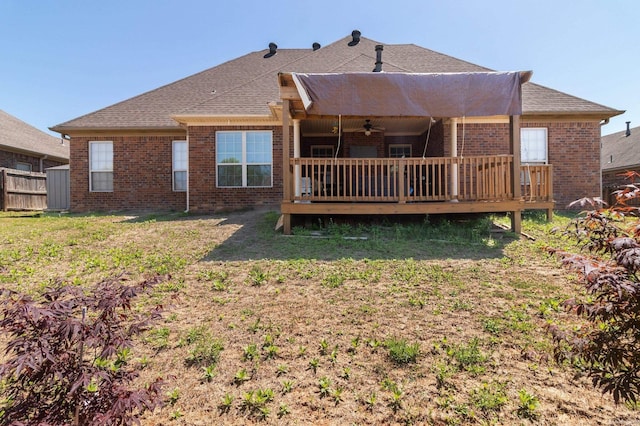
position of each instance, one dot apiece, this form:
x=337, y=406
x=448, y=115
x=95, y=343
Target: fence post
x=5, y=191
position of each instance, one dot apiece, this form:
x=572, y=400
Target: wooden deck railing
x=401, y=180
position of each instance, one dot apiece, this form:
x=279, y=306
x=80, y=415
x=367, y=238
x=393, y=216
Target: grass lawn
x=440, y=322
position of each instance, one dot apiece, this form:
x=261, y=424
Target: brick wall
x=142, y=165
x=10, y=159
x=574, y=152
x=204, y=196
x=141, y=175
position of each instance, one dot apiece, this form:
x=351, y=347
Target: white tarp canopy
x=412, y=95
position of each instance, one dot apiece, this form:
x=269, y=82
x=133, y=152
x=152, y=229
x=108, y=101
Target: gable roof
x=18, y=136
x=619, y=151
x=246, y=86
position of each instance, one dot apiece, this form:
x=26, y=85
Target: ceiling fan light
x=367, y=132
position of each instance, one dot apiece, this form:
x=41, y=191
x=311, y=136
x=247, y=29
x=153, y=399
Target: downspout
x=42, y=163
x=187, y=209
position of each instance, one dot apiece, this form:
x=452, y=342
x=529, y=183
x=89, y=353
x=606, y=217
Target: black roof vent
x=316, y=46
x=273, y=49
x=628, y=133
x=378, y=67
x=355, y=34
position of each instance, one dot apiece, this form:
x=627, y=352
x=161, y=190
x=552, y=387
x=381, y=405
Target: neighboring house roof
x=619, y=151
x=248, y=85
x=18, y=136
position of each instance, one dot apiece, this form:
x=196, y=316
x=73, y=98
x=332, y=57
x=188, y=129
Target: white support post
x=296, y=154
x=454, y=154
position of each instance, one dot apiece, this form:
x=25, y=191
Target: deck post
x=514, y=135
x=286, y=167
x=454, y=154
x=296, y=154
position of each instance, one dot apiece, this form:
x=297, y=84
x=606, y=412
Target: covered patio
x=357, y=145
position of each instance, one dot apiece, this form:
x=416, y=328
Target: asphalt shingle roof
x=246, y=86
x=620, y=151
x=16, y=135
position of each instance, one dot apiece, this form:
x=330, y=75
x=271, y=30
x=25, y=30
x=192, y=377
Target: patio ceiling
x=390, y=126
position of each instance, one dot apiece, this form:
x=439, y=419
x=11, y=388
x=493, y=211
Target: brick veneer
x=10, y=159
x=141, y=175
x=204, y=196
x=574, y=151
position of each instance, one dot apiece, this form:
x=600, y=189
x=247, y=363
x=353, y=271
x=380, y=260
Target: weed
x=175, y=414
x=325, y=386
x=313, y=364
x=346, y=373
x=241, y=376
x=208, y=372
x=489, y=397
x=226, y=403
x=205, y=351
x=158, y=338
x=401, y=352
x=491, y=325
x=257, y=276
x=250, y=352
x=271, y=351
x=528, y=405
x=396, y=399
x=332, y=281
x=324, y=345
x=333, y=356
x=336, y=395
x=468, y=357
x=282, y=369
x=287, y=386
x=173, y=396
x=354, y=345
x=370, y=402
x=283, y=410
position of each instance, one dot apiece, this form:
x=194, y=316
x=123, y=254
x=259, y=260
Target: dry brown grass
x=476, y=308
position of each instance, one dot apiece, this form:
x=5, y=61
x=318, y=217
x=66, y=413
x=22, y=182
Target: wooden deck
x=415, y=186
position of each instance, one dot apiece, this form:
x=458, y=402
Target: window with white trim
x=25, y=167
x=101, y=166
x=244, y=159
x=322, y=151
x=400, y=151
x=179, y=172
x=533, y=145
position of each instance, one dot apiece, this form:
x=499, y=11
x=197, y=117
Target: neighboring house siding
x=204, y=196
x=141, y=175
x=573, y=150
x=10, y=159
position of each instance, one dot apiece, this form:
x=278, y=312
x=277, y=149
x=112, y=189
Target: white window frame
x=524, y=145
x=317, y=149
x=403, y=146
x=25, y=167
x=91, y=171
x=243, y=162
x=179, y=168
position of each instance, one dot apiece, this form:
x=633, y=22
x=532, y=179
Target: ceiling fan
x=367, y=128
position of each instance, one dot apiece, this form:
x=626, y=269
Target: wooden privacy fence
x=22, y=190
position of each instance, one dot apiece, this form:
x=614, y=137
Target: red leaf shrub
x=65, y=367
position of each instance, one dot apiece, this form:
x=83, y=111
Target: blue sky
x=60, y=59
